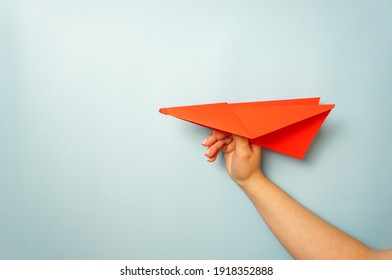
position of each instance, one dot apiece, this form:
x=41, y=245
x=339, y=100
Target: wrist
x=253, y=181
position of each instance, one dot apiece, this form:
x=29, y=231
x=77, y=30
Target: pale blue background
x=90, y=170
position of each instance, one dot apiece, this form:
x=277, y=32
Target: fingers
x=216, y=142
x=213, y=137
x=214, y=150
x=229, y=147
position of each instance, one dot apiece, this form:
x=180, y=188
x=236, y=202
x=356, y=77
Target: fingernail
x=204, y=141
x=207, y=152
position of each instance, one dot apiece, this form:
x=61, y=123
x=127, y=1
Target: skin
x=303, y=234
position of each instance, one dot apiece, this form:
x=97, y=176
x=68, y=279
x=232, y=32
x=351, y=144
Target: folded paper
x=286, y=126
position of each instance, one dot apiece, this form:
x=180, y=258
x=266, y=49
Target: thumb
x=242, y=145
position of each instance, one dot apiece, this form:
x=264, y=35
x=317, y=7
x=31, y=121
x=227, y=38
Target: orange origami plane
x=285, y=126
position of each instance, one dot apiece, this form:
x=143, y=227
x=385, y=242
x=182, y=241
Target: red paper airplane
x=285, y=126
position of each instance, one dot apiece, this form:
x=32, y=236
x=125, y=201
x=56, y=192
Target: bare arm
x=301, y=232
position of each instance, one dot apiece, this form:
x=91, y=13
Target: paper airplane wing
x=285, y=126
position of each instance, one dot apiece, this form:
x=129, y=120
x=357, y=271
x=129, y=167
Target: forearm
x=301, y=232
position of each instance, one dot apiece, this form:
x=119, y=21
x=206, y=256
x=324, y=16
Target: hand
x=242, y=159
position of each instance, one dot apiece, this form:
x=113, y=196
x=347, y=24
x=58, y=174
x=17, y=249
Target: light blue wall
x=90, y=169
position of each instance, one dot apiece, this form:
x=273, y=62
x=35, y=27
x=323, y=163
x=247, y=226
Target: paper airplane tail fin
x=293, y=140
